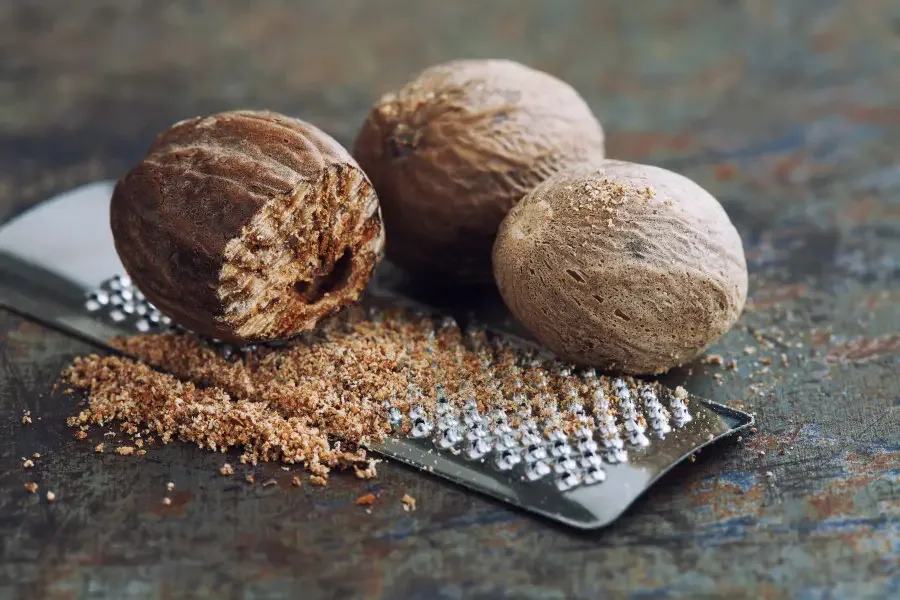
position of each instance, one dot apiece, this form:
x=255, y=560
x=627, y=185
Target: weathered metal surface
x=789, y=112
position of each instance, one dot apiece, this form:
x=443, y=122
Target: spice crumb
x=31, y=487
x=749, y=350
x=26, y=418
x=367, y=473
x=167, y=501
x=318, y=480
x=366, y=499
x=269, y=482
x=250, y=478
x=50, y=496
x=80, y=435
x=226, y=470
x=409, y=503
x=770, y=474
x=28, y=464
x=713, y=359
x=36, y=455
x=170, y=486
x=125, y=450
x=98, y=448
x=740, y=438
x=693, y=458
x=296, y=481
x=761, y=453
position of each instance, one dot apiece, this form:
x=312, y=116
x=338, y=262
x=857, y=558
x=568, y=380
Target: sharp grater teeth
x=537, y=470
x=118, y=301
x=680, y=413
x=656, y=413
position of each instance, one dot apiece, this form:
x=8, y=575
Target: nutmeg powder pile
x=317, y=401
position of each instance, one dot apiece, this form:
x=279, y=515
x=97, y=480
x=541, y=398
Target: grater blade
x=58, y=265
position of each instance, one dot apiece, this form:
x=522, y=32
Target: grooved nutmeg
x=452, y=151
x=621, y=266
x=247, y=226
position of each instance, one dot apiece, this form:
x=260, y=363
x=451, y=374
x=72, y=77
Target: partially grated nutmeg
x=247, y=225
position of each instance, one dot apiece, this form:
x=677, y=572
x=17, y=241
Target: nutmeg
x=453, y=150
x=247, y=226
x=621, y=266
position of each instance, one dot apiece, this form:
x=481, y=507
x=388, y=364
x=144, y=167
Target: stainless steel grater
x=58, y=265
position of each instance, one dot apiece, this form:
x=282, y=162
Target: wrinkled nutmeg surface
x=622, y=266
x=451, y=152
x=247, y=226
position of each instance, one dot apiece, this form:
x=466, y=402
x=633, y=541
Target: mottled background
x=787, y=110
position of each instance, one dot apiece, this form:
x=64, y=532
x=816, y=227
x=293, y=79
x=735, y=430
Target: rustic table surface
x=789, y=112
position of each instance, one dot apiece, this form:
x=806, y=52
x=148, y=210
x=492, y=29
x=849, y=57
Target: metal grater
x=58, y=265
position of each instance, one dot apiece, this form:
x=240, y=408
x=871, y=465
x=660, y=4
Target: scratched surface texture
x=788, y=111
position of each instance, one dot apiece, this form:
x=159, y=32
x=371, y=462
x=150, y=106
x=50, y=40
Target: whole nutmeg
x=247, y=226
x=621, y=266
x=452, y=151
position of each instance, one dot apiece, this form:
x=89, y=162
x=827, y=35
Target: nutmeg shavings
x=366, y=500
x=368, y=472
x=316, y=401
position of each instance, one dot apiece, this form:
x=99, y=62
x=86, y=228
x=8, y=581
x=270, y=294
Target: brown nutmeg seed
x=451, y=152
x=622, y=266
x=247, y=226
